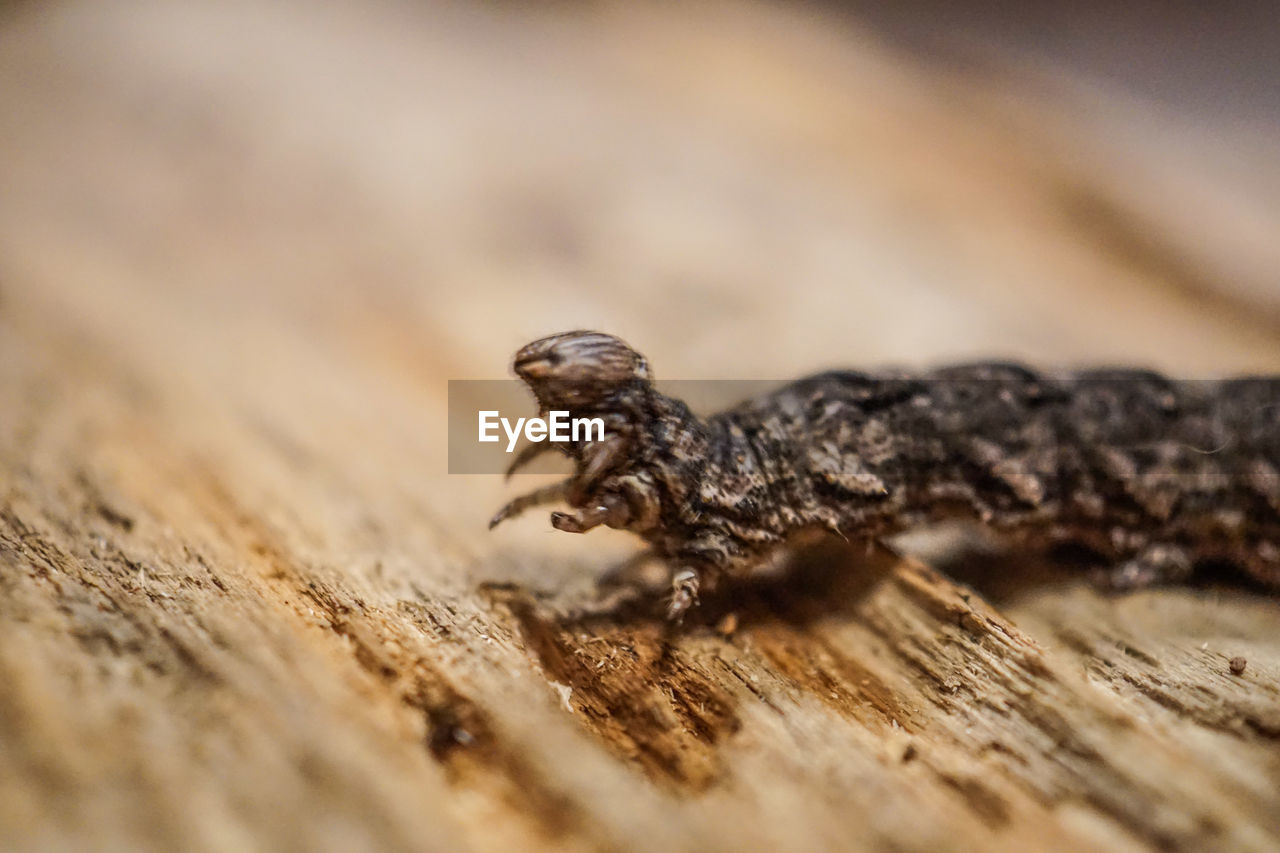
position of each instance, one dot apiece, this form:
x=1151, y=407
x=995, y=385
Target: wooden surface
x=243, y=605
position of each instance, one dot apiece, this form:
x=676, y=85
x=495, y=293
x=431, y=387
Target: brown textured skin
x=1152, y=474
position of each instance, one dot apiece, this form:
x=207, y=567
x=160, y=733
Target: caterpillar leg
x=684, y=594
x=539, y=497
x=529, y=453
x=611, y=511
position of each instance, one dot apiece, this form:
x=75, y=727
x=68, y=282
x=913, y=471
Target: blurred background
x=742, y=189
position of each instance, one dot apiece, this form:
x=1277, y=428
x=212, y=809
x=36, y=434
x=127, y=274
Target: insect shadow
x=817, y=580
x=1003, y=576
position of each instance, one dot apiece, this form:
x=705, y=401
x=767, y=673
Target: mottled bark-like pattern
x=1154, y=475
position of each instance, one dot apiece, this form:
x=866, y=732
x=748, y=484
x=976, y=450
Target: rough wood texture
x=242, y=605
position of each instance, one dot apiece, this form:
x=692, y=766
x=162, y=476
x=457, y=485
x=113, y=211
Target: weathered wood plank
x=243, y=605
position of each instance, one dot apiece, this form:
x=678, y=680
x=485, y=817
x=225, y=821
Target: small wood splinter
x=1114, y=460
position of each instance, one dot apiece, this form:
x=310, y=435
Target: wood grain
x=243, y=605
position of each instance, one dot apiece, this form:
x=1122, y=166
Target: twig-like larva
x=1111, y=459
